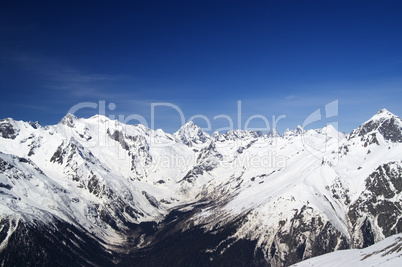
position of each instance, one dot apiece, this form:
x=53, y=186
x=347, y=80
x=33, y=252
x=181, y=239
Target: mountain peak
x=100, y=118
x=382, y=114
x=273, y=133
x=68, y=120
x=190, y=124
x=34, y=124
x=384, y=110
x=329, y=127
x=298, y=131
x=190, y=133
x=189, y=127
x=384, y=122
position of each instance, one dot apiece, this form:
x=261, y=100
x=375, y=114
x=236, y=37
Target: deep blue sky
x=277, y=57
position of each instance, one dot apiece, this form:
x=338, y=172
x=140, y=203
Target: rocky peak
x=68, y=120
x=34, y=124
x=8, y=129
x=287, y=133
x=299, y=130
x=384, y=123
x=190, y=134
x=381, y=114
x=296, y=132
x=273, y=133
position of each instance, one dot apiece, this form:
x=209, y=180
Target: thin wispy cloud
x=75, y=76
x=59, y=76
x=33, y=107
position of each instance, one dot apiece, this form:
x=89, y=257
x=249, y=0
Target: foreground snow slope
x=387, y=252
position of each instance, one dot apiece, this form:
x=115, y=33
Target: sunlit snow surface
x=386, y=253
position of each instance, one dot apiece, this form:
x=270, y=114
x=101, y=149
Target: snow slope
x=387, y=252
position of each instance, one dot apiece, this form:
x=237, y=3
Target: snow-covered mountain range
x=97, y=192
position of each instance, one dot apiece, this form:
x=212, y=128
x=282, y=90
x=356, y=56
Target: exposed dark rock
x=367, y=232
x=119, y=137
x=387, y=124
x=105, y=216
x=391, y=130
x=68, y=120
x=6, y=186
x=7, y=130
x=94, y=186
x=35, y=124
x=58, y=155
x=62, y=244
x=4, y=165
x=151, y=199
x=378, y=204
x=171, y=246
x=304, y=232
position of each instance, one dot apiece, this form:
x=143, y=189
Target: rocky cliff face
x=377, y=213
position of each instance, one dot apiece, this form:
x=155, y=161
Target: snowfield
x=385, y=253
